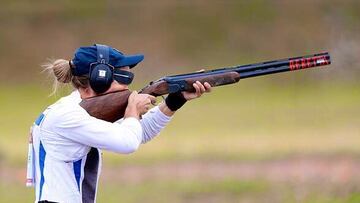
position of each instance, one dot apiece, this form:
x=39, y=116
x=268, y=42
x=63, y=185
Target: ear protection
x=102, y=74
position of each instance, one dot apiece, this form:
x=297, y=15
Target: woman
x=66, y=141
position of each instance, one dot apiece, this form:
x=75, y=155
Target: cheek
x=115, y=86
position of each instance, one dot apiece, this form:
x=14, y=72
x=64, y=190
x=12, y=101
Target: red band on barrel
x=303, y=63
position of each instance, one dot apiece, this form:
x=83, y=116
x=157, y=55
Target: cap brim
x=130, y=60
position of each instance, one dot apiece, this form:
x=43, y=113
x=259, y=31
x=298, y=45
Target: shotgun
x=111, y=106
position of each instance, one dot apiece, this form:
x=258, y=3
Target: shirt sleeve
x=85, y=129
x=152, y=123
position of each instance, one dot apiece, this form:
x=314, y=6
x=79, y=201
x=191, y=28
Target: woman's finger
x=202, y=88
x=152, y=99
x=132, y=96
x=207, y=87
x=197, y=88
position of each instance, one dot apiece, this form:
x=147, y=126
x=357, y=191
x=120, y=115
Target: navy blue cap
x=84, y=56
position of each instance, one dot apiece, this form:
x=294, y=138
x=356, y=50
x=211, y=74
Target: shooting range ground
x=243, y=142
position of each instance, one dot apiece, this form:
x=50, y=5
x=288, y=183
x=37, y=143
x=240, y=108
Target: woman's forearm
x=152, y=123
x=165, y=109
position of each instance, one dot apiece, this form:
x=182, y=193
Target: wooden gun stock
x=108, y=107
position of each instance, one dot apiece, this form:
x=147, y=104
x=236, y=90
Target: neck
x=86, y=93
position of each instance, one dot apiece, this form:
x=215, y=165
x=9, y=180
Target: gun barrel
x=229, y=75
x=283, y=65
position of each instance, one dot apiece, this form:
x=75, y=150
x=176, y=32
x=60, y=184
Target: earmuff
x=101, y=72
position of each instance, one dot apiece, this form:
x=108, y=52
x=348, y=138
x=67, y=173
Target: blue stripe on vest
x=77, y=172
x=39, y=119
x=42, y=155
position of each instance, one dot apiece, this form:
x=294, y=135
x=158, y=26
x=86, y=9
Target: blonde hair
x=60, y=71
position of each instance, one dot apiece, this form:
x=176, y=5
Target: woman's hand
x=138, y=104
x=199, y=90
x=174, y=101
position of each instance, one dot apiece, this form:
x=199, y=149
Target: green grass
x=198, y=191
x=182, y=191
x=251, y=120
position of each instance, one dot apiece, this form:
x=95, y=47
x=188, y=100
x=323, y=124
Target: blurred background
x=290, y=137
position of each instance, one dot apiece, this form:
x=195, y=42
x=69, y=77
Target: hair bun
x=62, y=70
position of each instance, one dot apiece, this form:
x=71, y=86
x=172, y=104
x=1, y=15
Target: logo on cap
x=102, y=73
